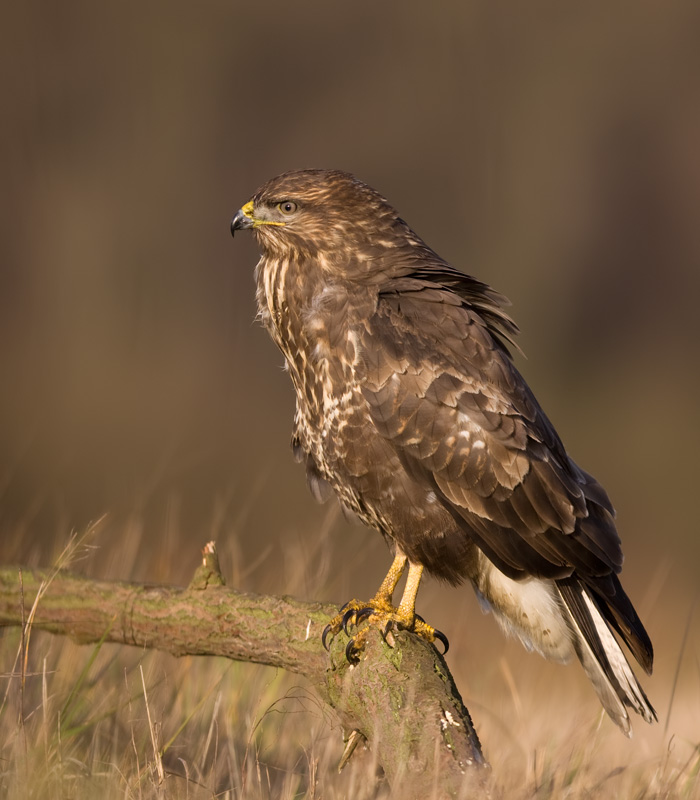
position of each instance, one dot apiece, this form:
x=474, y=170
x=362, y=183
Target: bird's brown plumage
x=410, y=409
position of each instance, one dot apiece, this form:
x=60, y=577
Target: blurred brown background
x=552, y=150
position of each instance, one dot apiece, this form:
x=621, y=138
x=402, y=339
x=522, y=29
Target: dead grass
x=116, y=722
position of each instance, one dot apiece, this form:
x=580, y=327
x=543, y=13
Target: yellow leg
x=406, y=612
x=385, y=593
x=407, y=607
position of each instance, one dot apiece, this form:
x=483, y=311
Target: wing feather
x=443, y=391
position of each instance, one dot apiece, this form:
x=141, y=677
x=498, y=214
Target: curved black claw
x=363, y=613
x=388, y=625
x=349, y=617
x=352, y=653
x=441, y=636
x=324, y=636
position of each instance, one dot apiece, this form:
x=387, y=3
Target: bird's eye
x=287, y=207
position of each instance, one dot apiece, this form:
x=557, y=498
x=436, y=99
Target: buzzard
x=410, y=410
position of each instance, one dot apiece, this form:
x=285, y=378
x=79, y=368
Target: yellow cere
x=247, y=209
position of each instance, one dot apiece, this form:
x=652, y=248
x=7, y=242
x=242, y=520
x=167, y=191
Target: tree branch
x=402, y=699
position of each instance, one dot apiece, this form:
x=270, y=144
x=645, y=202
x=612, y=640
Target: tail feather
x=619, y=612
x=602, y=658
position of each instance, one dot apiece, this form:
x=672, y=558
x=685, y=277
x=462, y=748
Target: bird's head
x=308, y=211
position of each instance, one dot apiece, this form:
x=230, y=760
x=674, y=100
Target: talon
x=363, y=614
x=349, y=618
x=351, y=653
x=441, y=636
x=378, y=613
x=324, y=635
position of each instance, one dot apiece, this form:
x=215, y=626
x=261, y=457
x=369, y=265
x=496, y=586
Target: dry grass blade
x=68, y=555
x=154, y=739
x=681, y=653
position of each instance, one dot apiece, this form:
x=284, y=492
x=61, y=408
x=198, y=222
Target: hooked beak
x=242, y=219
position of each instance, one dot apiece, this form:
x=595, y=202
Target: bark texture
x=401, y=699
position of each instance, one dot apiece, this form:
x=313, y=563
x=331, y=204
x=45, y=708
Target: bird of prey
x=410, y=410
